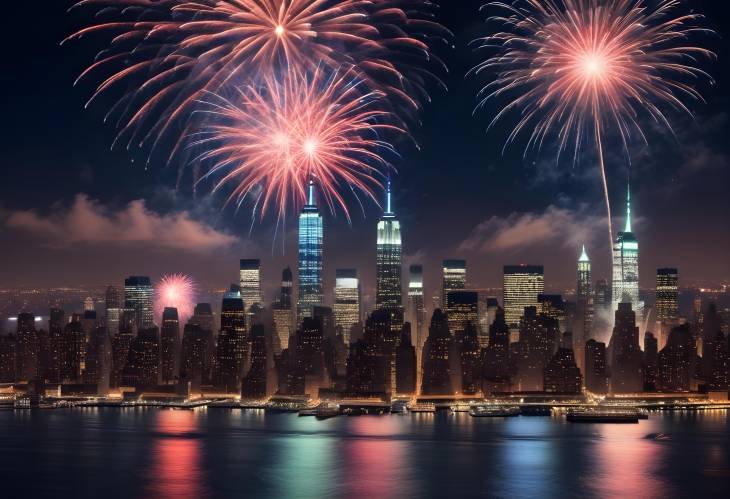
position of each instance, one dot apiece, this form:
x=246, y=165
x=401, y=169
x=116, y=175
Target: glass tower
x=310, y=257
x=522, y=284
x=582, y=329
x=416, y=312
x=388, y=290
x=667, y=307
x=346, y=310
x=250, y=279
x=138, y=296
x=625, y=284
x=454, y=278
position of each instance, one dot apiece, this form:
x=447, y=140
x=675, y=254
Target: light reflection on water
x=176, y=457
x=216, y=453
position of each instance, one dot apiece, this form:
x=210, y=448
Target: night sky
x=457, y=197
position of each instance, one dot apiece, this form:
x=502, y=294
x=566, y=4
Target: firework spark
x=178, y=291
x=577, y=68
x=268, y=141
x=169, y=53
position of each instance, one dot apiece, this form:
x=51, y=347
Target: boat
x=603, y=416
x=423, y=407
x=493, y=411
x=327, y=410
x=460, y=407
x=399, y=407
x=308, y=411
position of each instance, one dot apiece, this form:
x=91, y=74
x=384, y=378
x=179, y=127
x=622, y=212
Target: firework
x=164, y=55
x=578, y=68
x=178, y=291
x=267, y=142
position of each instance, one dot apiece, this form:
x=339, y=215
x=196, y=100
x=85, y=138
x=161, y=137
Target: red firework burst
x=171, y=52
x=575, y=68
x=178, y=291
x=268, y=141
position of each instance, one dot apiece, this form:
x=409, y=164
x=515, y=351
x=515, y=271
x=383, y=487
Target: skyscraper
x=283, y=312
x=521, y=286
x=463, y=309
x=138, y=295
x=346, y=309
x=250, y=280
x=405, y=364
x=311, y=237
x=625, y=284
x=584, y=307
x=595, y=367
x=626, y=357
x=667, y=303
x=113, y=303
x=389, y=262
x=233, y=345
x=436, y=365
x=169, y=345
x=416, y=312
x=26, y=348
x=453, y=278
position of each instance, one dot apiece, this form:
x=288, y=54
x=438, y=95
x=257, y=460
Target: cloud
x=526, y=230
x=88, y=222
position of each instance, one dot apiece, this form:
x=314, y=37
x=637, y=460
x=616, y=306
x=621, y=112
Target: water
x=220, y=453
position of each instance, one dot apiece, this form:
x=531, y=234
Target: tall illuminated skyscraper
x=521, y=286
x=667, y=305
x=311, y=237
x=346, y=309
x=138, y=295
x=250, y=279
x=113, y=303
x=284, y=311
x=416, y=311
x=454, y=278
x=625, y=285
x=582, y=327
x=388, y=287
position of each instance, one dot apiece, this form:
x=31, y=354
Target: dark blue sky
x=457, y=197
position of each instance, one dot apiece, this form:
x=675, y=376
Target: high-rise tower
x=250, y=279
x=521, y=286
x=625, y=286
x=311, y=235
x=388, y=288
x=138, y=295
x=667, y=307
x=346, y=310
x=416, y=313
x=283, y=311
x=454, y=278
x=582, y=328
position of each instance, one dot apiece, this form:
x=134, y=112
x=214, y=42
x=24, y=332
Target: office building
x=667, y=303
x=311, y=238
x=625, y=283
x=416, y=311
x=346, y=308
x=522, y=284
x=389, y=263
x=596, y=374
x=250, y=282
x=169, y=345
x=583, y=322
x=627, y=374
x=113, y=306
x=463, y=309
x=283, y=313
x=138, y=296
x=436, y=365
x=453, y=278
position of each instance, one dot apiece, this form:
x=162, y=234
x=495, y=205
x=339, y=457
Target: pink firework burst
x=169, y=53
x=178, y=291
x=267, y=142
x=577, y=68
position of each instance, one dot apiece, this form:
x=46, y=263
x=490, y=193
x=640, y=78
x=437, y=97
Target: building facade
x=311, y=238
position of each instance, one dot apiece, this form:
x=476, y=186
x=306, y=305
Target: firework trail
x=175, y=290
x=576, y=68
x=164, y=55
x=267, y=142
